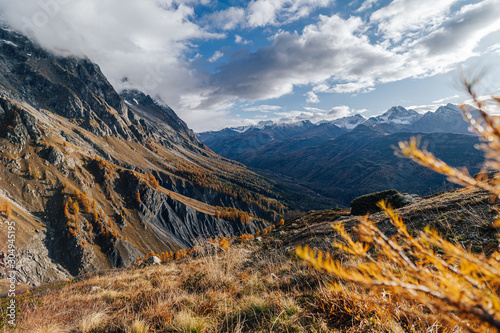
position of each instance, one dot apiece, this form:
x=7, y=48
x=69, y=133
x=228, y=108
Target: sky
x=230, y=62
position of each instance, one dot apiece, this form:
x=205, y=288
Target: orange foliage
x=151, y=180
x=95, y=216
x=180, y=254
x=72, y=232
x=8, y=210
x=246, y=237
x=75, y=208
x=86, y=206
x=223, y=242
x=232, y=214
x=209, y=179
x=149, y=255
x=166, y=256
x=66, y=210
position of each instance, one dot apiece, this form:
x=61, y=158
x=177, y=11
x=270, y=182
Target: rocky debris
x=14, y=166
x=18, y=125
x=53, y=155
x=34, y=266
x=151, y=261
x=368, y=203
x=31, y=124
x=176, y=223
x=124, y=254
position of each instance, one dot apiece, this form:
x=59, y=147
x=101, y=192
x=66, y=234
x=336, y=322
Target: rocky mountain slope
x=94, y=179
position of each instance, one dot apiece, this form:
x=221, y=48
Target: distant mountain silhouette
x=343, y=163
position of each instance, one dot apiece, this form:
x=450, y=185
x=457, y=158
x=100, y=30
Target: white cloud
x=239, y=40
x=316, y=115
x=366, y=5
x=228, y=19
x=311, y=97
x=342, y=111
x=263, y=13
x=311, y=109
x=127, y=38
x=403, y=16
x=442, y=100
x=263, y=108
x=494, y=49
x=217, y=55
x=335, y=56
x=425, y=107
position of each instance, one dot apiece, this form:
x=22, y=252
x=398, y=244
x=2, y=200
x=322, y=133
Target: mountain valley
x=352, y=156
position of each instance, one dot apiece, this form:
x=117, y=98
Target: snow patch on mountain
x=349, y=122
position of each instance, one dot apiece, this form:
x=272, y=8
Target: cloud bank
x=147, y=44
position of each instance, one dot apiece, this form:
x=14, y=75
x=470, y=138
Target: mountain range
x=352, y=156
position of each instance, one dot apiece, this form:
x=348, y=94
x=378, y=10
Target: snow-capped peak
x=260, y=125
x=349, y=122
x=395, y=115
x=449, y=109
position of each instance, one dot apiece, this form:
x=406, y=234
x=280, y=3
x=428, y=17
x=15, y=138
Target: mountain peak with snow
x=450, y=109
x=349, y=122
x=395, y=115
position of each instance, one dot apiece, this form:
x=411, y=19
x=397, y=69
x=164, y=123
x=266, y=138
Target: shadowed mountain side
x=229, y=142
x=364, y=161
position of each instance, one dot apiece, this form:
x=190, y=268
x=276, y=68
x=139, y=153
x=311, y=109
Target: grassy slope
x=252, y=286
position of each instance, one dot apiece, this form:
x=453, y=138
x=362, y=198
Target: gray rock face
x=176, y=223
x=53, y=155
x=34, y=266
x=18, y=126
x=124, y=254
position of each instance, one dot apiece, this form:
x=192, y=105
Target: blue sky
x=230, y=63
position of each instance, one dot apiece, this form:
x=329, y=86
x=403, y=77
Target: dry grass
x=242, y=289
x=250, y=287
